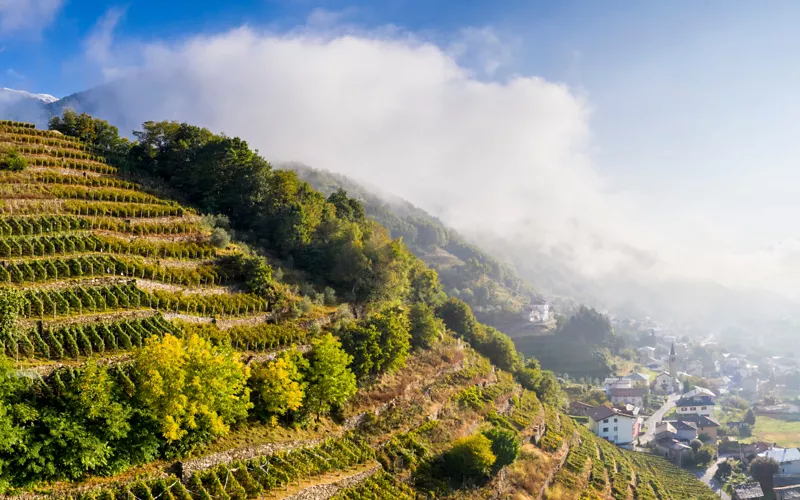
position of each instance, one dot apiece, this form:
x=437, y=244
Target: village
x=733, y=418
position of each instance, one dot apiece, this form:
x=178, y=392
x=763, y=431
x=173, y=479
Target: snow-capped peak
x=22, y=94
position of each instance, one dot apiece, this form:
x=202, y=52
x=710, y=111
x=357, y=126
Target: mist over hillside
x=507, y=163
x=626, y=280
x=699, y=307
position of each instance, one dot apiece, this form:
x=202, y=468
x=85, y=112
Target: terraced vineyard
x=146, y=359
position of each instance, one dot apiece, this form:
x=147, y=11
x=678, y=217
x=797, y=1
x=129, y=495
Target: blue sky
x=690, y=108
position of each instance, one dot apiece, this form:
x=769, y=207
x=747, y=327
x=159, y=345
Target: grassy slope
x=785, y=433
x=402, y=402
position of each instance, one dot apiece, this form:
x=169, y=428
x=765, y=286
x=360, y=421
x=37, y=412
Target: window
x=694, y=408
x=605, y=421
x=703, y=408
x=615, y=420
x=615, y=428
x=605, y=429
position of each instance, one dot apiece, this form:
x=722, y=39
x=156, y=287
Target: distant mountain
x=26, y=106
x=21, y=105
x=13, y=94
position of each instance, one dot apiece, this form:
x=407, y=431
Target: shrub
x=470, y=459
x=220, y=238
x=13, y=161
x=505, y=445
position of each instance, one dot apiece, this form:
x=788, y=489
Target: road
x=707, y=477
x=655, y=418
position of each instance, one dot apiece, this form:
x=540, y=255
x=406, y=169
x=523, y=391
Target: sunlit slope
x=100, y=262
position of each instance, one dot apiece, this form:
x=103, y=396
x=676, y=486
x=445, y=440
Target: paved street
x=707, y=477
x=655, y=418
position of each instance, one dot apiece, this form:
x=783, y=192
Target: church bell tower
x=672, y=359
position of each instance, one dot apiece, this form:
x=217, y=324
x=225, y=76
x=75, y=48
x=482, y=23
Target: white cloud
x=99, y=43
x=27, y=15
x=509, y=158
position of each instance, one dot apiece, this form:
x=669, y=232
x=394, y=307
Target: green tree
x=470, y=459
x=749, y=417
x=763, y=469
x=98, y=133
x=498, y=347
x=346, y=208
x=330, y=381
x=380, y=343
x=425, y=326
x=505, y=445
x=189, y=386
x=277, y=387
x=458, y=317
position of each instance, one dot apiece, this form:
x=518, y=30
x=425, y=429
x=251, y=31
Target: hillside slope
x=149, y=357
x=497, y=295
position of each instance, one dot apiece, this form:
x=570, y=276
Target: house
x=699, y=405
x=638, y=379
x=671, y=448
x=617, y=383
x=666, y=383
x=540, y=311
x=634, y=395
x=684, y=431
x=748, y=491
x=753, y=449
x=700, y=391
x=617, y=425
x=665, y=430
x=788, y=459
x=576, y=408
x=646, y=353
x=779, y=409
x=705, y=425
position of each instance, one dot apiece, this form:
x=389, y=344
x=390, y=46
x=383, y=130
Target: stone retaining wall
x=325, y=491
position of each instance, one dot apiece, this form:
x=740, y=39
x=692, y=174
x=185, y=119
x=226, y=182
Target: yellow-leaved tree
x=193, y=390
x=278, y=386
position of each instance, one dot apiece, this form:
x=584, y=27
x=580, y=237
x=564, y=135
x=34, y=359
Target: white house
x=540, y=311
x=700, y=391
x=622, y=395
x=638, y=379
x=788, y=459
x=697, y=405
x=617, y=425
x=664, y=382
x=617, y=383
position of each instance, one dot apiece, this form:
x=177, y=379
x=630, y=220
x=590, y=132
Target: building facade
x=697, y=405
x=634, y=395
x=617, y=425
